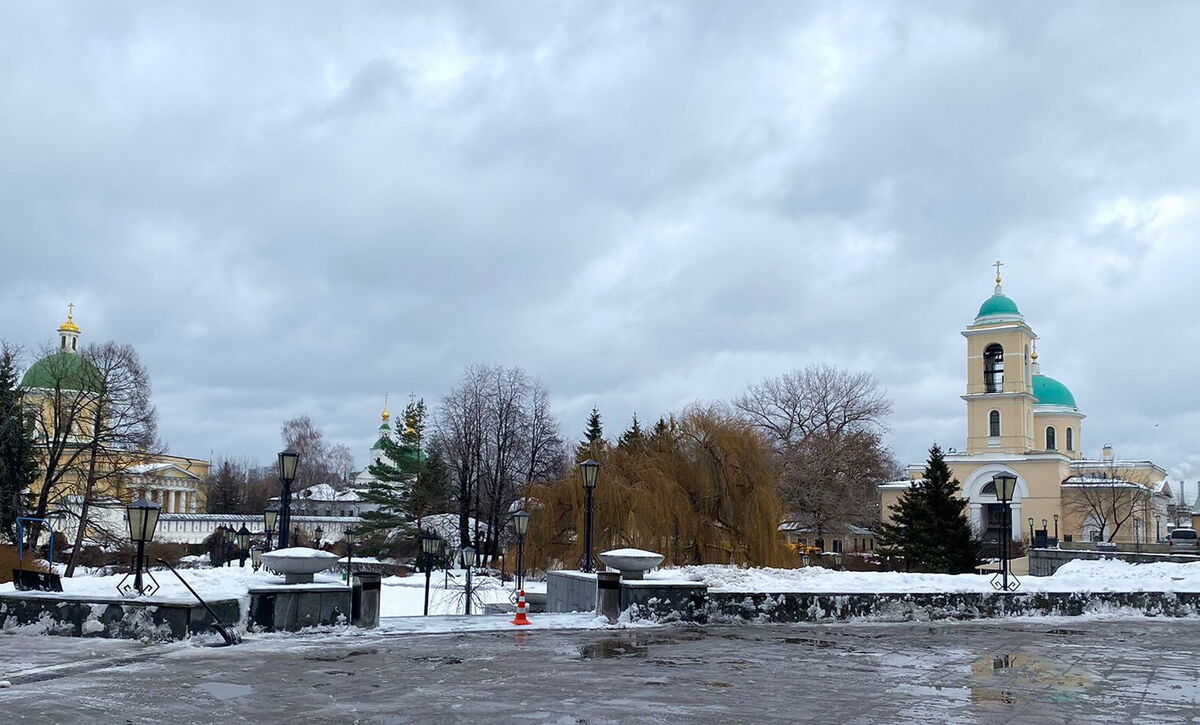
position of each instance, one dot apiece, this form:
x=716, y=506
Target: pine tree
x=18, y=462
x=929, y=526
x=591, y=437
x=634, y=437
x=396, y=474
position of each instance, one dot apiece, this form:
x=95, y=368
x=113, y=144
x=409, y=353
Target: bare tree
x=320, y=461
x=826, y=427
x=497, y=434
x=120, y=429
x=1109, y=498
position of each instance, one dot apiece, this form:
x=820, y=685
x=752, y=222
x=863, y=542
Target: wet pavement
x=1026, y=671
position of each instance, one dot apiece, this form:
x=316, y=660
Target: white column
x=1015, y=534
x=171, y=502
x=975, y=517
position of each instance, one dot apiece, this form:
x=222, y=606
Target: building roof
x=323, y=492
x=63, y=370
x=998, y=304
x=1049, y=391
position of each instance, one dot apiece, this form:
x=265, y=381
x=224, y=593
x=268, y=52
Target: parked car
x=1183, y=539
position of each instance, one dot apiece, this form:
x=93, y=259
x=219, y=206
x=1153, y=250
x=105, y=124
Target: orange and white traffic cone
x=521, y=619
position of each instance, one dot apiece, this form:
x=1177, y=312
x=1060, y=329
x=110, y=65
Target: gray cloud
x=296, y=208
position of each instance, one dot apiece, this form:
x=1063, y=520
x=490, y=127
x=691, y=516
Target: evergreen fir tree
x=929, y=526
x=396, y=474
x=634, y=437
x=18, y=462
x=591, y=437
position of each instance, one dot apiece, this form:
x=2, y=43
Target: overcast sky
x=297, y=207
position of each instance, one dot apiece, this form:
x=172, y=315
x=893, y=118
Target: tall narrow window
x=994, y=423
x=993, y=369
x=1070, y=439
x=1051, y=443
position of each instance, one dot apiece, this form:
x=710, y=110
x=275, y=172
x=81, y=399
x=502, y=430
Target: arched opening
x=994, y=424
x=1051, y=439
x=993, y=368
x=1070, y=439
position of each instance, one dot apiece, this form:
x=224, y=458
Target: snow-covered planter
x=632, y=563
x=298, y=563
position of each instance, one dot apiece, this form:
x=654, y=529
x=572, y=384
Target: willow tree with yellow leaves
x=699, y=489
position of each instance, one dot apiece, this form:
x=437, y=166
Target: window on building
x=837, y=546
x=1051, y=442
x=989, y=489
x=1070, y=439
x=994, y=424
x=993, y=368
x=820, y=544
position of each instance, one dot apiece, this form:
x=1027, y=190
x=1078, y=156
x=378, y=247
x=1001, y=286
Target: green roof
x=63, y=370
x=998, y=305
x=1049, y=391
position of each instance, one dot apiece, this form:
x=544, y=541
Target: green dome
x=998, y=304
x=1049, y=391
x=62, y=370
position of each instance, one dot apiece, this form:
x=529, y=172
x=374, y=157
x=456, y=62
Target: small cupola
x=68, y=332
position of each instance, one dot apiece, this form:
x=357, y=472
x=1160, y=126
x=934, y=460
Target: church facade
x=1025, y=423
x=62, y=393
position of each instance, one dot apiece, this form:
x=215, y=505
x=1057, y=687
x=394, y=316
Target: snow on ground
x=1108, y=575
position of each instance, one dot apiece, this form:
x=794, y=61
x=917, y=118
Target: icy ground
x=1029, y=671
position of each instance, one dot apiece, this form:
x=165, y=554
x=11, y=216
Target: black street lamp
x=1056, y=529
x=256, y=553
x=588, y=470
x=319, y=532
x=351, y=538
x=1031, y=531
x=468, y=560
x=288, y=461
x=429, y=547
x=1157, y=529
x=243, y=542
x=1137, y=539
x=143, y=518
x=230, y=537
x=270, y=519
x=1006, y=485
x=520, y=522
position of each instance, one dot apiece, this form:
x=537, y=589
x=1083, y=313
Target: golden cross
x=70, y=310
x=998, y=265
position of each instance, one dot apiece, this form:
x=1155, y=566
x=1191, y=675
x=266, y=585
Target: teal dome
x=62, y=370
x=998, y=304
x=1049, y=391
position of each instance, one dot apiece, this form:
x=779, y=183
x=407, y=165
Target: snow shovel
x=228, y=632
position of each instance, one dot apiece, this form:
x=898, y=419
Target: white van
x=1183, y=539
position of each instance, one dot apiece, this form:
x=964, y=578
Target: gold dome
x=69, y=325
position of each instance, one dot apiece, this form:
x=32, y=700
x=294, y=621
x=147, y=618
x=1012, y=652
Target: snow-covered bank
x=1074, y=576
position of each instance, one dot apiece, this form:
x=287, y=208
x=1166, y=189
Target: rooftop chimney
x=1107, y=453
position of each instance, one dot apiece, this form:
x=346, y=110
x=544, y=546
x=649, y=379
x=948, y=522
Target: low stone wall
x=291, y=607
x=111, y=618
x=573, y=591
x=1044, y=562
x=899, y=607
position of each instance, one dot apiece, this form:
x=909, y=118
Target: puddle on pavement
x=1001, y=678
x=1066, y=631
x=225, y=690
x=608, y=648
x=819, y=643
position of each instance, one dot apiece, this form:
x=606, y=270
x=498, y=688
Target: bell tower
x=68, y=333
x=999, y=377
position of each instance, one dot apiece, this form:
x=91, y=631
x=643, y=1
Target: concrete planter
x=632, y=563
x=298, y=564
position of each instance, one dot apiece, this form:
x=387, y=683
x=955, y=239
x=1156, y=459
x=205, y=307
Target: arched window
x=989, y=489
x=1051, y=443
x=994, y=423
x=993, y=368
x=1070, y=439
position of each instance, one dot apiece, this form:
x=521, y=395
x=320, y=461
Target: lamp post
x=1045, y=529
x=319, y=533
x=1157, y=529
x=1006, y=485
x=1056, y=529
x=429, y=546
x=1031, y=531
x=243, y=542
x=143, y=518
x=520, y=522
x=288, y=460
x=230, y=537
x=468, y=560
x=588, y=470
x=351, y=537
x=256, y=553
x=270, y=519
x=1137, y=540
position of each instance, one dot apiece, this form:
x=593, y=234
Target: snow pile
x=1075, y=576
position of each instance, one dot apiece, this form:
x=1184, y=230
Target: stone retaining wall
x=112, y=618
